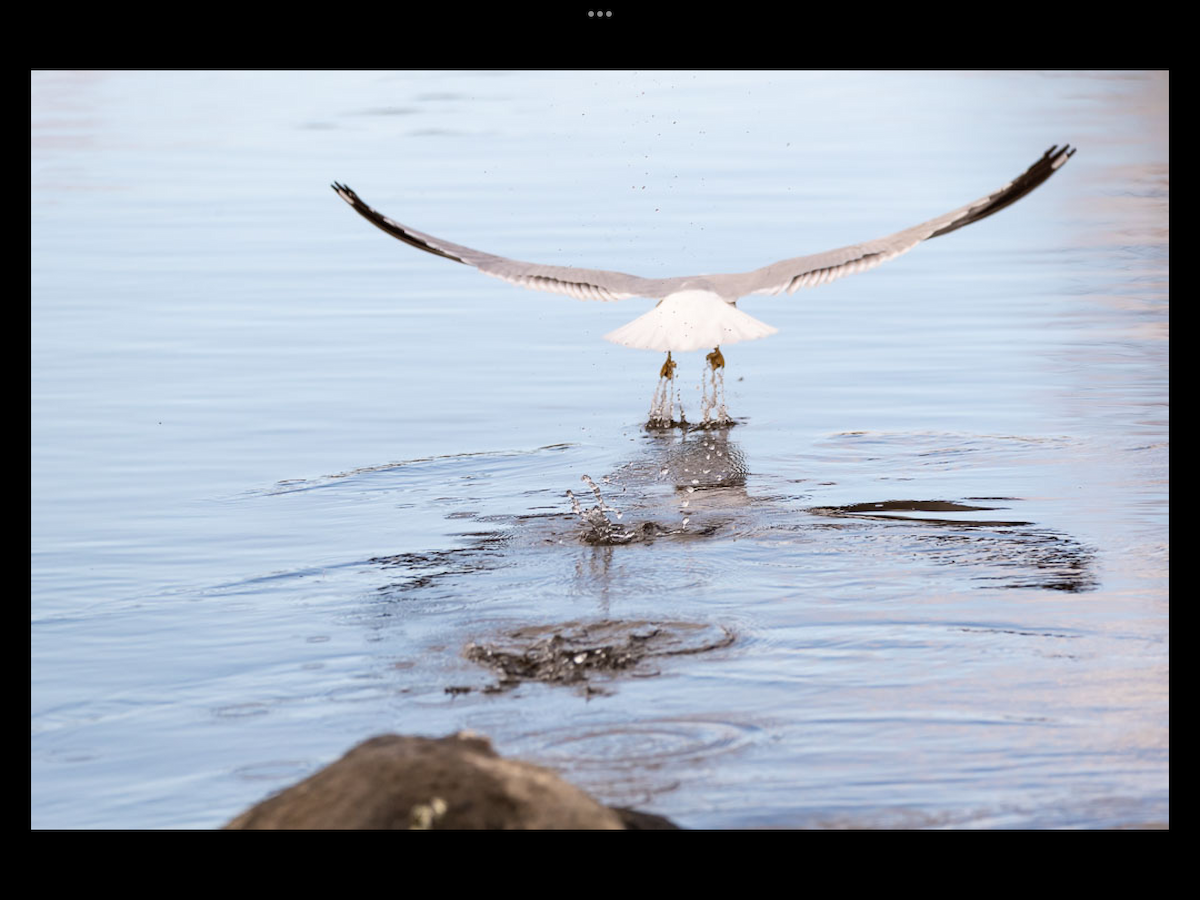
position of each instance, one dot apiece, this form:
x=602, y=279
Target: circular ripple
x=645, y=744
x=630, y=763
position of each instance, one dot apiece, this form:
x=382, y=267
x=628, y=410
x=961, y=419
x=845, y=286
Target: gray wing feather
x=810, y=271
x=585, y=284
x=788, y=275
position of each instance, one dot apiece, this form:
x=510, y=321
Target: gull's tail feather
x=690, y=320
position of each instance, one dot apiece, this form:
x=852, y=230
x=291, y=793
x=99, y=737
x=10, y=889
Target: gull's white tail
x=690, y=320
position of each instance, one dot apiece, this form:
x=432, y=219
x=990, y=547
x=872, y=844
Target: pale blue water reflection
x=284, y=468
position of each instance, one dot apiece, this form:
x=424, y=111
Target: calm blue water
x=284, y=468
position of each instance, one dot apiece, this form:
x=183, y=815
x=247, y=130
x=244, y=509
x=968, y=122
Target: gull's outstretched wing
x=809, y=271
x=788, y=275
x=585, y=284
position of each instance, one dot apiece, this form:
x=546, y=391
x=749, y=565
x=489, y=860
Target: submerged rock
x=455, y=782
x=573, y=653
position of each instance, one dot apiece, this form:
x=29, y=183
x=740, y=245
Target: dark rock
x=573, y=653
x=456, y=782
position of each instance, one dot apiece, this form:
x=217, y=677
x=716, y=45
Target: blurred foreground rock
x=456, y=782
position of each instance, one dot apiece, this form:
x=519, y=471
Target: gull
x=698, y=311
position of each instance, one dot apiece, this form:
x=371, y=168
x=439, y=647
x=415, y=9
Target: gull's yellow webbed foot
x=668, y=368
x=715, y=359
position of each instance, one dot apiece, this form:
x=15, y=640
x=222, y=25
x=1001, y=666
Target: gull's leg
x=668, y=368
x=713, y=400
x=662, y=407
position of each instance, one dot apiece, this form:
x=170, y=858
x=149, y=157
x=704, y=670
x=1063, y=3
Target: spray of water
x=712, y=402
x=692, y=464
x=598, y=528
x=666, y=398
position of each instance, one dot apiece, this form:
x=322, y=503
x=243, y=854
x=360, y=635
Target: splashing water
x=662, y=404
x=598, y=528
x=697, y=461
x=712, y=403
x=601, y=505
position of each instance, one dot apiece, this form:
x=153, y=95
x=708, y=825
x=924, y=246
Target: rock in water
x=456, y=782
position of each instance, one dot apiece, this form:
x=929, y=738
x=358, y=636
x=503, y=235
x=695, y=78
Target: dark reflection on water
x=706, y=471
x=1024, y=555
x=688, y=487
x=693, y=486
x=428, y=570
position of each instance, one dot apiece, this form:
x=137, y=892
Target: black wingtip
x=1049, y=163
x=345, y=193
x=1066, y=151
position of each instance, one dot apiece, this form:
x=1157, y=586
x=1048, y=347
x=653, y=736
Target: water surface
x=285, y=470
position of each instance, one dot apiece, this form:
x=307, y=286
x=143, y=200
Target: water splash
x=714, y=413
x=598, y=528
x=581, y=653
x=684, y=482
x=662, y=404
x=601, y=505
x=712, y=402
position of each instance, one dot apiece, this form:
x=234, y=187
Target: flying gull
x=698, y=311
